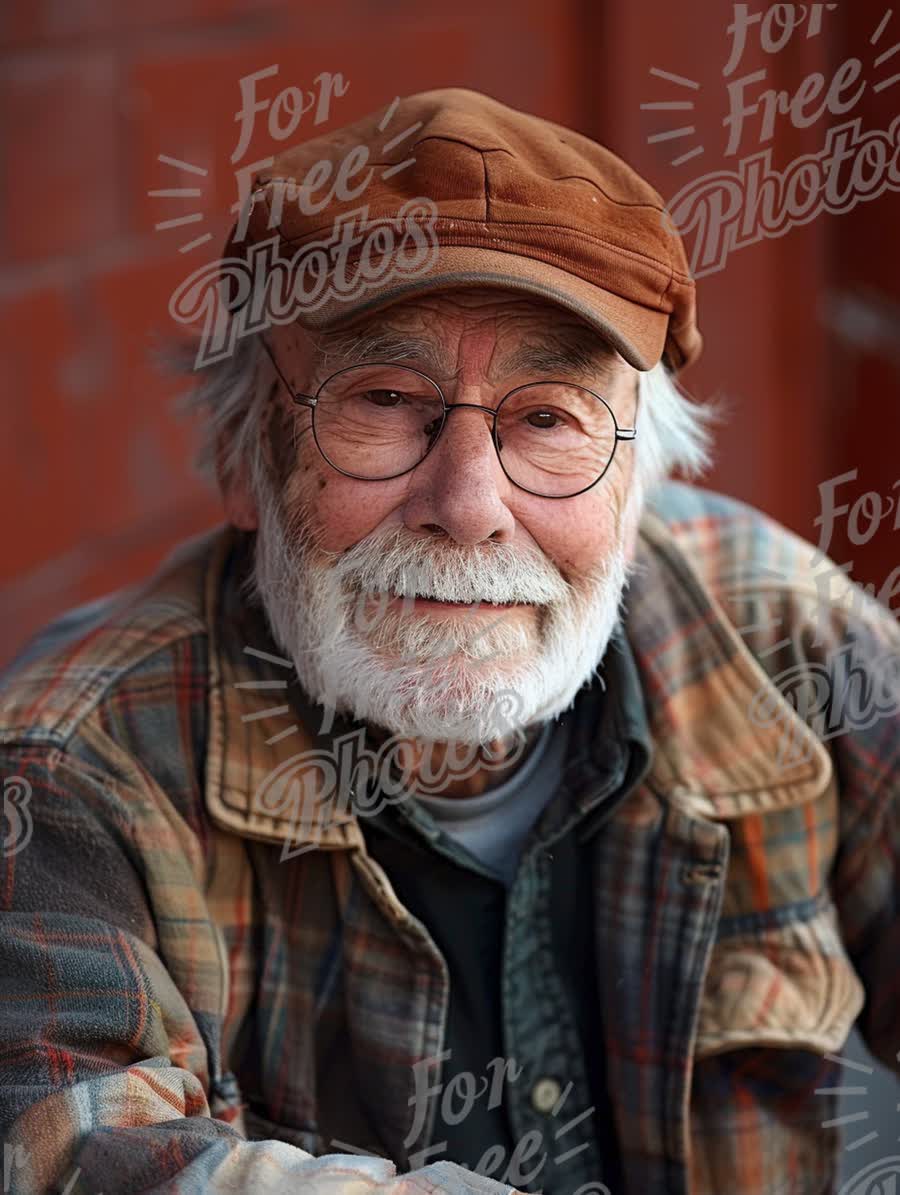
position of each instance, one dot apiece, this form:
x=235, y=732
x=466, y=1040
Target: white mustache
x=406, y=565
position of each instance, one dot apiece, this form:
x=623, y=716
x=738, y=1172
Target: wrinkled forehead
x=521, y=333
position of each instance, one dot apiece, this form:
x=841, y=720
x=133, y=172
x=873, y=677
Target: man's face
x=518, y=593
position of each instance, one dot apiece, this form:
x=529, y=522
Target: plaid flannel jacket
x=198, y=992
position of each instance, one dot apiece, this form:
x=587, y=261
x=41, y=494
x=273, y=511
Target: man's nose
x=460, y=487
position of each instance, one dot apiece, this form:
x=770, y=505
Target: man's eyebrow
x=359, y=345
x=563, y=351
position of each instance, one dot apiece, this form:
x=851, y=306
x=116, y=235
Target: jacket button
x=544, y=1095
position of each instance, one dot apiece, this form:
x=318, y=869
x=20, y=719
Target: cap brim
x=637, y=332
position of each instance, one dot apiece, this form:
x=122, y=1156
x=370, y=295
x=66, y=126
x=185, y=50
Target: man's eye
x=543, y=419
x=385, y=398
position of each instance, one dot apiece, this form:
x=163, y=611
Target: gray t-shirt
x=494, y=825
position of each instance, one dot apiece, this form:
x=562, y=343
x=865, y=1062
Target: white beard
x=469, y=678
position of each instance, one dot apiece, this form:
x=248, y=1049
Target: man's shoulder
x=784, y=598
x=738, y=552
x=130, y=649
x=725, y=539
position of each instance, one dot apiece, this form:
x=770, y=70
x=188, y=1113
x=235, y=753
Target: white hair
x=674, y=432
x=230, y=402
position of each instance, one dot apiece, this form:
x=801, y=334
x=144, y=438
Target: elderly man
x=440, y=824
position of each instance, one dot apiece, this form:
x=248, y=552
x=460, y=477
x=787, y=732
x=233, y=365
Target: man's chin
x=448, y=698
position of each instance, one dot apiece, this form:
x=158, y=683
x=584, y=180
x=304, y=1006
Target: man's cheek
x=279, y=440
x=346, y=511
x=587, y=540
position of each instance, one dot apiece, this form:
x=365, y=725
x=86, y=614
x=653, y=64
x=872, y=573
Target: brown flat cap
x=515, y=202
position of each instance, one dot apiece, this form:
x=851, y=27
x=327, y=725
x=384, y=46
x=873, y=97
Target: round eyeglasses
x=378, y=421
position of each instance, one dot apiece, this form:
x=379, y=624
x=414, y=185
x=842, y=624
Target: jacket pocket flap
x=789, y=986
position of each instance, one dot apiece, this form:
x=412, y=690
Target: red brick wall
x=94, y=476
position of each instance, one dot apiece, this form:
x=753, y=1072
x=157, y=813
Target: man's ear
x=237, y=494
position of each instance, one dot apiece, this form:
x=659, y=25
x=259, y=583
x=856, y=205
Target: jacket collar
x=266, y=740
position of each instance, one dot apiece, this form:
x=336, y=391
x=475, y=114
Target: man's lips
x=435, y=605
